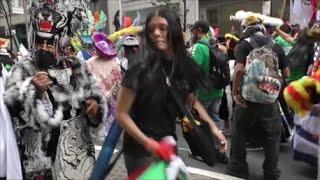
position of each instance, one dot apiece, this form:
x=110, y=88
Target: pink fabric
x=107, y=73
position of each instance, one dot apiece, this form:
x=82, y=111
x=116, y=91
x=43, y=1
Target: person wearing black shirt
x=249, y=114
x=145, y=109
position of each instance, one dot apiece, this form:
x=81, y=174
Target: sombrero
x=104, y=46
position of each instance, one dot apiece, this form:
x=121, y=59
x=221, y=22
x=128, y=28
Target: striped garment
x=306, y=137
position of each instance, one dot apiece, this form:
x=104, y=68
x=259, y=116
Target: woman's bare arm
x=124, y=103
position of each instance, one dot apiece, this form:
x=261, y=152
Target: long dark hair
x=303, y=47
x=184, y=68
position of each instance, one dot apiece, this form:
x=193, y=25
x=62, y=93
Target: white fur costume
x=34, y=124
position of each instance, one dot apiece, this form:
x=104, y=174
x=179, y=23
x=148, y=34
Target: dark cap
x=202, y=25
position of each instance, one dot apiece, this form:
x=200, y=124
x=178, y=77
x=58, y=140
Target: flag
x=102, y=21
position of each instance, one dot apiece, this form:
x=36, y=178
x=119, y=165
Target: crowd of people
x=62, y=98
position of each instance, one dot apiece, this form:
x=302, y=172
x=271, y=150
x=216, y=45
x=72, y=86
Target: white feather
x=44, y=118
x=242, y=15
x=272, y=21
x=55, y=121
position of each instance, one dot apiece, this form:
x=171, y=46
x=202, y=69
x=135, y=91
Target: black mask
x=45, y=59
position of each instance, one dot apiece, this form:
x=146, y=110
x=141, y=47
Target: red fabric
x=314, y=4
x=45, y=26
x=134, y=175
x=39, y=178
x=315, y=69
x=165, y=151
x=297, y=97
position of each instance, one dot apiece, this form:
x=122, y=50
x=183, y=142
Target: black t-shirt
x=244, y=48
x=154, y=111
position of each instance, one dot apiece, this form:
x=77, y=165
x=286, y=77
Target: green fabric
x=201, y=55
x=296, y=74
x=155, y=171
x=286, y=46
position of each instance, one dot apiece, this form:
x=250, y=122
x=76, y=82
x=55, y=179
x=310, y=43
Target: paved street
x=291, y=170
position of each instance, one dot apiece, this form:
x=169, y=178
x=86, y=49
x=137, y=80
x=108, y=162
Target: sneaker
x=223, y=158
x=254, y=147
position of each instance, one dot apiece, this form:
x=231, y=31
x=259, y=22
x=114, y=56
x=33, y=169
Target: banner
x=17, y=7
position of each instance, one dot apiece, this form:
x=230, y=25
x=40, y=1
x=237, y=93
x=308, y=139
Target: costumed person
x=55, y=104
x=84, y=42
x=105, y=69
x=10, y=165
x=303, y=96
x=130, y=47
x=145, y=108
x=107, y=72
x=300, y=62
x=81, y=48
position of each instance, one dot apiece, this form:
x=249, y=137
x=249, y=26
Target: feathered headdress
x=249, y=18
x=57, y=19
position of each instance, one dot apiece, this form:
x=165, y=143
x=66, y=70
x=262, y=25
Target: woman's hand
x=162, y=149
x=151, y=145
x=223, y=145
x=195, y=103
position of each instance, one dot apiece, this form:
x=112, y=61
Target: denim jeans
x=212, y=107
x=267, y=118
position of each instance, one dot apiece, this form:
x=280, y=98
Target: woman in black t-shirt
x=145, y=109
